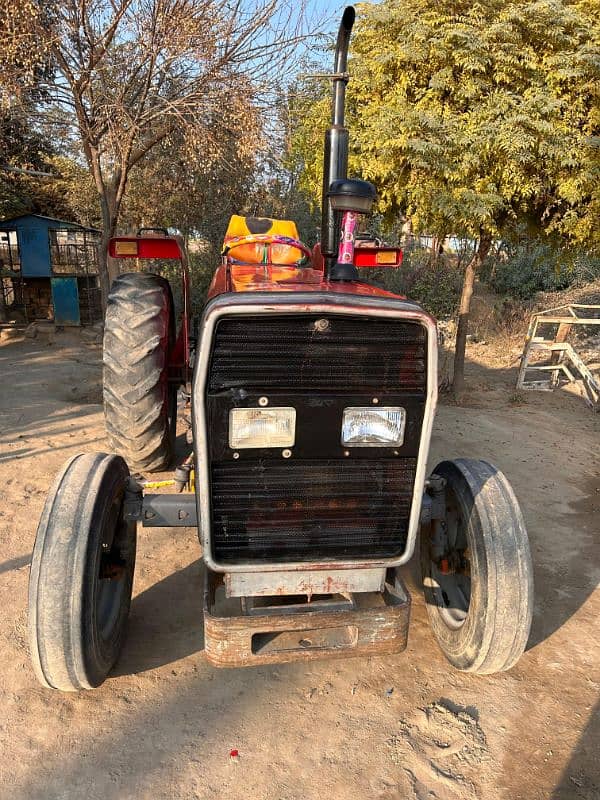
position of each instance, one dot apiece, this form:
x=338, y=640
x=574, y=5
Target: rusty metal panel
x=332, y=581
x=376, y=624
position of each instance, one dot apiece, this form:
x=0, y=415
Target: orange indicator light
x=126, y=248
x=385, y=257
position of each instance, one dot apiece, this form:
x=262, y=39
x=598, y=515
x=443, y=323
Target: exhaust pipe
x=335, y=163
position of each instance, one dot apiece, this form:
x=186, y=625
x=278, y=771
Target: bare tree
x=133, y=73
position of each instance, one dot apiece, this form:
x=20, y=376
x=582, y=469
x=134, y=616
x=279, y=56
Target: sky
x=329, y=12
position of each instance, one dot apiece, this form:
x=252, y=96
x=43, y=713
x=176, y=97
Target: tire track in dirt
x=440, y=749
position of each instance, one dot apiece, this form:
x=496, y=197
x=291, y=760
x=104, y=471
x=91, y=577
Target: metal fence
x=74, y=252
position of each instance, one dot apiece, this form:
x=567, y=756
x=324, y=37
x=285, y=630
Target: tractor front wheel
x=477, y=573
x=81, y=575
x=140, y=404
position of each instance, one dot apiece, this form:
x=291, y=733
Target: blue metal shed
x=61, y=252
x=33, y=236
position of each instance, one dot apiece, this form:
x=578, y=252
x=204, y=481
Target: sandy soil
x=390, y=728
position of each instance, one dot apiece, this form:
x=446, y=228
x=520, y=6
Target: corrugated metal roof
x=63, y=223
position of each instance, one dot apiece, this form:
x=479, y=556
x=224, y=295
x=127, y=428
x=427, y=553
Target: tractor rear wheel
x=479, y=595
x=140, y=404
x=81, y=574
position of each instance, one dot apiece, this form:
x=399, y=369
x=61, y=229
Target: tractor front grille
x=319, y=504
x=311, y=510
x=290, y=352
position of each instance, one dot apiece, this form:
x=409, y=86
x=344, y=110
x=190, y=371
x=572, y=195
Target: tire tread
x=139, y=319
x=58, y=641
x=494, y=640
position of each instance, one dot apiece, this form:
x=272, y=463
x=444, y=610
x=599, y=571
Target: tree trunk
x=103, y=268
x=437, y=248
x=485, y=242
x=108, y=267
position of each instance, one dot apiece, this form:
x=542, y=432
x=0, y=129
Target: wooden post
x=556, y=357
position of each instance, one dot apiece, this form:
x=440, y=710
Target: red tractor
x=312, y=399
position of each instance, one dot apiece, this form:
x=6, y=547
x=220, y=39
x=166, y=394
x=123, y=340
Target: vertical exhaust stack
x=335, y=164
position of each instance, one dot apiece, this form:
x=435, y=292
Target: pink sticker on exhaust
x=346, y=250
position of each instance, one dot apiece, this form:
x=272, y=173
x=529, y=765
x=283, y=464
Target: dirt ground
x=392, y=728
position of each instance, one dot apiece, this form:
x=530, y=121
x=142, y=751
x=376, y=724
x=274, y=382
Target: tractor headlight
x=262, y=427
x=373, y=427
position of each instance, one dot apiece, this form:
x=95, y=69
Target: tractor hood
x=269, y=278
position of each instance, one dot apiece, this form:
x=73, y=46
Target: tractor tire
x=140, y=405
x=480, y=610
x=81, y=575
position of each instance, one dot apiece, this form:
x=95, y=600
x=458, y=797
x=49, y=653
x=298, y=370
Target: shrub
x=202, y=268
x=436, y=285
x=528, y=267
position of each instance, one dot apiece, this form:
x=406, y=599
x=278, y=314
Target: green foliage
x=279, y=198
x=278, y=190
x=21, y=147
x=202, y=269
x=67, y=193
x=66, y=189
x=468, y=116
x=528, y=267
x=309, y=110
x=435, y=284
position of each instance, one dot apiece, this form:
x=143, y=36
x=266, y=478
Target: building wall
x=59, y=269
x=37, y=296
x=34, y=246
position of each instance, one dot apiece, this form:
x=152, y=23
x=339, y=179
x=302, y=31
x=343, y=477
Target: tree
x=24, y=53
x=469, y=117
x=24, y=67
x=279, y=193
x=194, y=196
x=135, y=73
x=23, y=152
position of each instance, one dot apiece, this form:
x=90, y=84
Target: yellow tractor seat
x=255, y=253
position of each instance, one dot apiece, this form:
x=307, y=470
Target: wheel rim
x=451, y=578
x=113, y=574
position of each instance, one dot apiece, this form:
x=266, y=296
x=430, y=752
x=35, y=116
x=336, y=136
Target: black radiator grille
x=317, y=505
x=310, y=509
x=291, y=352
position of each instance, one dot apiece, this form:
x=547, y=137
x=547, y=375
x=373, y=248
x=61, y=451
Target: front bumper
x=239, y=633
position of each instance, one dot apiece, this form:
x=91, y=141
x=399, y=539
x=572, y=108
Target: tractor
x=312, y=396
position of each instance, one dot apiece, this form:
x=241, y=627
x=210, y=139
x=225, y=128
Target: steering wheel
x=266, y=239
